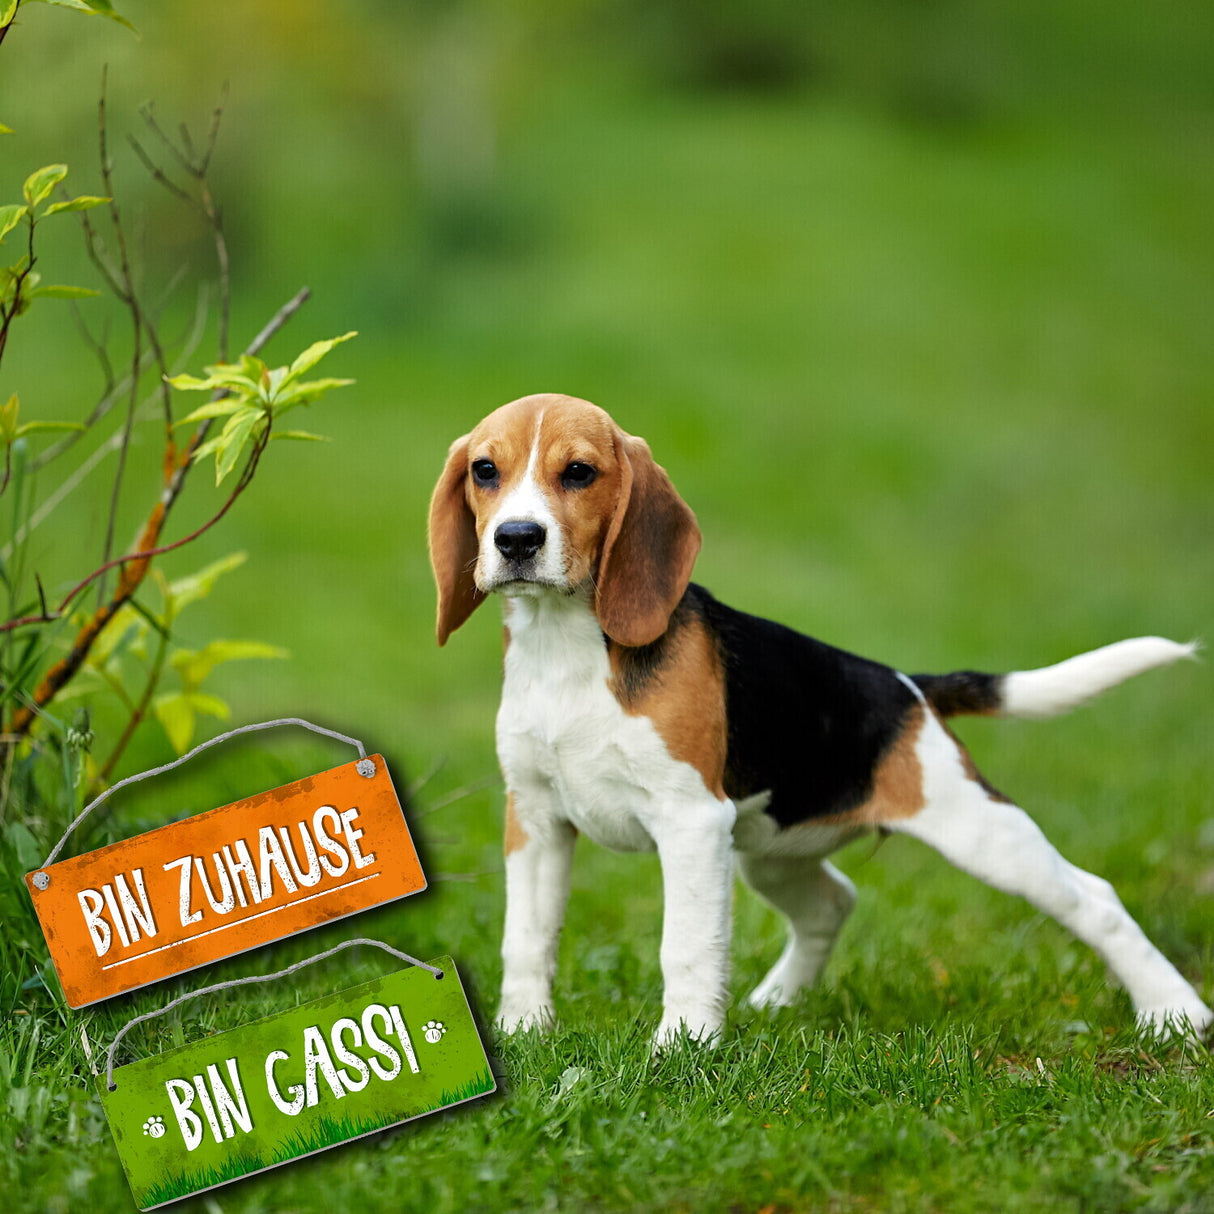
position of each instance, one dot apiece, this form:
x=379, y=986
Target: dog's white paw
x=774, y=991
x=516, y=1018
x=700, y=1030
x=1190, y=1017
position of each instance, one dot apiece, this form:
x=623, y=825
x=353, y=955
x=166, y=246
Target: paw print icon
x=433, y=1031
x=154, y=1127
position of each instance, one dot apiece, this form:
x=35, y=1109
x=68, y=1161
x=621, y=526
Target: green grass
x=326, y=1132
x=940, y=394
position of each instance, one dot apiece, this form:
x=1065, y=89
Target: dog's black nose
x=517, y=541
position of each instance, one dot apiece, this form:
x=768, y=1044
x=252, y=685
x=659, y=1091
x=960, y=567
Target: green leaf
x=62, y=292
x=238, y=419
x=214, y=408
x=35, y=427
x=85, y=202
x=225, y=377
x=302, y=435
x=302, y=394
x=208, y=448
x=314, y=353
x=103, y=8
x=194, y=586
x=239, y=651
x=26, y=849
x=272, y=382
x=38, y=185
x=5, y=130
x=194, y=666
x=236, y=434
x=213, y=706
x=156, y=623
x=187, y=383
x=97, y=8
x=8, y=419
x=10, y=217
x=86, y=682
x=252, y=368
x=8, y=10
x=111, y=638
x=176, y=715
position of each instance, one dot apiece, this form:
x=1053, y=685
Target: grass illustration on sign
x=295, y=1083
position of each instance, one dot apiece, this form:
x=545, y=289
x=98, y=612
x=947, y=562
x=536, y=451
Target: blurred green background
x=915, y=302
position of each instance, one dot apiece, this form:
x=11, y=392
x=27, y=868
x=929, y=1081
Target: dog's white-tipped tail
x=1059, y=688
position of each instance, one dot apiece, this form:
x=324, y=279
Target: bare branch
x=186, y=158
x=146, y=554
x=279, y=319
x=8, y=315
x=136, y=564
x=158, y=175
x=213, y=136
x=148, y=114
x=99, y=347
x=183, y=133
x=458, y=795
x=139, y=710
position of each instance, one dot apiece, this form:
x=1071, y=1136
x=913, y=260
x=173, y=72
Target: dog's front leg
x=695, y=846
x=537, y=887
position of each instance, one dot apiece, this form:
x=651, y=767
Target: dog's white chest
x=567, y=747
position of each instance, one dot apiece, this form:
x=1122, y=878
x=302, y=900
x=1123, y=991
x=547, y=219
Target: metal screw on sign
x=365, y=767
x=41, y=880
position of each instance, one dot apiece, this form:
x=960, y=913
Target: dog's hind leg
x=816, y=899
x=997, y=842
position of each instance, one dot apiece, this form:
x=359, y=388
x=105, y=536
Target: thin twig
x=279, y=319
x=99, y=347
x=129, y=297
x=458, y=795
x=148, y=114
x=204, y=203
x=183, y=132
x=159, y=176
x=435, y=768
x=136, y=563
x=187, y=344
x=146, y=554
x=7, y=316
x=139, y=710
x=216, y=119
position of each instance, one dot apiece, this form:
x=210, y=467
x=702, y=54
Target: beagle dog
x=641, y=711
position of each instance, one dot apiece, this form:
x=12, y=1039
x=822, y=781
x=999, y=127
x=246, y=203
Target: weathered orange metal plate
x=225, y=881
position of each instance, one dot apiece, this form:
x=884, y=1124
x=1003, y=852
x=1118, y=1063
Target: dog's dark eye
x=578, y=475
x=484, y=472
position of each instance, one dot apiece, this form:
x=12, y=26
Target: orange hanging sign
x=225, y=881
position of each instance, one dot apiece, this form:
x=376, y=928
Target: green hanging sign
x=295, y=1083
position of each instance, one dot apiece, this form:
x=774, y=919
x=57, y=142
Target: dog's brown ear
x=453, y=544
x=649, y=550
